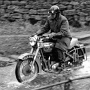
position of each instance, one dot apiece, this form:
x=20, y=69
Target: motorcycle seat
x=73, y=42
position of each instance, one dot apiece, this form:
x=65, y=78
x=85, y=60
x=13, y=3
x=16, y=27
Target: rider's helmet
x=54, y=9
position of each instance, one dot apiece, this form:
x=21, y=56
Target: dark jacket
x=60, y=26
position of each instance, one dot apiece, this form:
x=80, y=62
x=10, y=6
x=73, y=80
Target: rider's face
x=52, y=15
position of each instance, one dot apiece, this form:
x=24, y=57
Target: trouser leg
x=58, y=58
x=58, y=55
x=46, y=55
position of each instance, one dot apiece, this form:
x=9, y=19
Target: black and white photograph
x=44, y=44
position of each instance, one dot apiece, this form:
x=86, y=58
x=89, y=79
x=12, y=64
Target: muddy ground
x=14, y=40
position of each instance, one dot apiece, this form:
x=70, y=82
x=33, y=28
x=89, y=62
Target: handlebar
x=44, y=36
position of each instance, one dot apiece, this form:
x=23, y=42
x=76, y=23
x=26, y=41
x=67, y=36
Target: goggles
x=52, y=12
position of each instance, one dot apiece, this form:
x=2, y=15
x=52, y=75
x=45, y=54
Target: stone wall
x=36, y=10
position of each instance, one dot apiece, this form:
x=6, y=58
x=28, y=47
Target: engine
x=48, y=46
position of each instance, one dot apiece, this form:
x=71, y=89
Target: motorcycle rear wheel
x=23, y=73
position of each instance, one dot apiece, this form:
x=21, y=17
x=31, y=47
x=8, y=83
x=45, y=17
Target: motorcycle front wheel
x=24, y=72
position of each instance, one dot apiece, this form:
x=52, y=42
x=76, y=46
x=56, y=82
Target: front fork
x=35, y=56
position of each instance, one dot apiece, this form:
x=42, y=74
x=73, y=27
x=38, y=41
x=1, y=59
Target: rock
x=74, y=3
x=15, y=2
x=2, y=11
x=27, y=7
x=3, y=6
x=6, y=15
x=61, y=6
x=87, y=2
x=37, y=17
x=31, y=12
x=26, y=16
x=23, y=2
x=42, y=11
x=7, y=2
x=16, y=15
x=88, y=18
x=69, y=7
x=69, y=12
x=86, y=10
x=1, y=2
x=65, y=3
x=88, y=6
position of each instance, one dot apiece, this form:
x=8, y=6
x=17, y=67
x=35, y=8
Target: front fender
x=25, y=56
x=28, y=55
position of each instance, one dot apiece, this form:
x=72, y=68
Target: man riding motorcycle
x=58, y=26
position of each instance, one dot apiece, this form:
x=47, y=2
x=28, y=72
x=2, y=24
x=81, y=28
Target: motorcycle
x=30, y=64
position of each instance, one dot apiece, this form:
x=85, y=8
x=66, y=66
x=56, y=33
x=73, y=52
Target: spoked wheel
x=24, y=72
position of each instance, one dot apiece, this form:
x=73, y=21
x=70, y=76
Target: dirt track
x=8, y=80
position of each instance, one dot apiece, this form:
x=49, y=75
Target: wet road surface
x=8, y=80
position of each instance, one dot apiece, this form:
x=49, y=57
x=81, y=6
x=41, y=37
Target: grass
x=13, y=45
x=14, y=36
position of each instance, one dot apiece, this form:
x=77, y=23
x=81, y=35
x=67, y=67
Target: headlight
x=32, y=43
x=32, y=40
